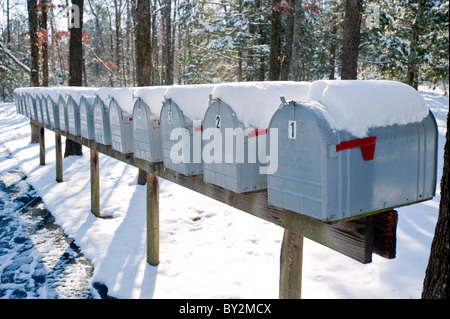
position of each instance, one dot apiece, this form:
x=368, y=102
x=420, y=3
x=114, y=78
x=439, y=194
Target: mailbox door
x=32, y=106
x=121, y=129
x=101, y=123
x=238, y=176
x=37, y=100
x=53, y=112
x=173, y=120
x=29, y=105
x=62, y=109
x=86, y=119
x=19, y=103
x=45, y=115
x=146, y=133
x=73, y=116
x=297, y=184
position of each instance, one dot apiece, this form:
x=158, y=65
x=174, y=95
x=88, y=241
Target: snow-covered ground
x=207, y=249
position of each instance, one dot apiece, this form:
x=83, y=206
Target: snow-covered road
x=37, y=260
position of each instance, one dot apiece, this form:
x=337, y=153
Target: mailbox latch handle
x=367, y=146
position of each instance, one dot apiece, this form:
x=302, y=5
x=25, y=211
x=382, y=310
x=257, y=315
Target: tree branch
x=111, y=72
x=14, y=58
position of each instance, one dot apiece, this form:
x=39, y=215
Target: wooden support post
x=59, y=158
x=95, y=184
x=291, y=261
x=41, y=146
x=152, y=219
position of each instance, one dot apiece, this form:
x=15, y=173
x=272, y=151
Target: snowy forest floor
x=207, y=249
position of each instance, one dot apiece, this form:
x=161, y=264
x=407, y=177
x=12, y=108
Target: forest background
x=212, y=41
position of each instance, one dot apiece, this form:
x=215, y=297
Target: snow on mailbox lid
x=153, y=96
x=255, y=102
x=191, y=99
x=123, y=96
x=358, y=105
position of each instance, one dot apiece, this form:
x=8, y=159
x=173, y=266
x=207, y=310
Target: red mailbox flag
x=367, y=146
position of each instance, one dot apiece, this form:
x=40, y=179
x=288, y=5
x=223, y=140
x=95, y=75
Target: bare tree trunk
x=34, y=74
x=44, y=9
x=411, y=78
x=275, y=41
x=155, y=49
x=76, y=62
x=8, y=31
x=168, y=51
x=436, y=283
x=352, y=26
x=333, y=48
x=286, y=63
x=118, y=47
x=143, y=43
x=297, y=57
x=143, y=54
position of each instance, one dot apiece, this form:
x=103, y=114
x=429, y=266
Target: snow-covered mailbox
x=181, y=127
x=102, y=128
x=354, y=148
x=19, y=97
x=146, y=123
x=43, y=98
x=30, y=106
x=235, y=124
x=62, y=111
x=120, y=119
x=73, y=108
x=27, y=101
x=38, y=105
x=51, y=97
x=87, y=129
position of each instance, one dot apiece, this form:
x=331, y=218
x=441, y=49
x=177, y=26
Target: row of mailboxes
x=244, y=138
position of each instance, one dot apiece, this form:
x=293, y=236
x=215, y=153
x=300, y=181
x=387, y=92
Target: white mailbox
x=354, y=148
x=32, y=110
x=235, y=124
x=18, y=98
x=146, y=123
x=27, y=104
x=62, y=110
x=87, y=117
x=38, y=105
x=109, y=120
x=181, y=127
x=74, y=95
x=45, y=115
x=121, y=128
x=53, y=111
x=50, y=98
x=101, y=117
x=73, y=116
